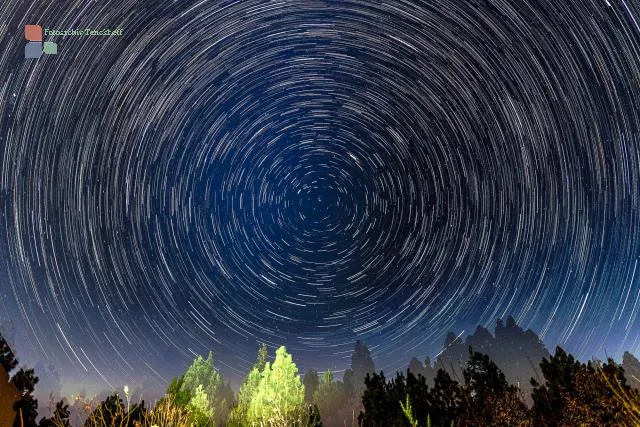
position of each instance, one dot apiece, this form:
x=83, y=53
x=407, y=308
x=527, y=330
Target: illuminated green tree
x=239, y=414
x=202, y=413
x=280, y=394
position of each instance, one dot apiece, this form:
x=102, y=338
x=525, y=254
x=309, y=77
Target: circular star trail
x=312, y=173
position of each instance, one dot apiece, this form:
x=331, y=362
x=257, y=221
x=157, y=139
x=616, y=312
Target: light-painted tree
x=202, y=414
x=239, y=414
x=280, y=393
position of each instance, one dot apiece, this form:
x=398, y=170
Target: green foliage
x=280, y=393
x=180, y=396
x=314, y=417
x=408, y=412
x=239, y=415
x=263, y=355
x=203, y=373
x=201, y=412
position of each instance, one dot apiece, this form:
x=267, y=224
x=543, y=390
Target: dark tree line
x=571, y=393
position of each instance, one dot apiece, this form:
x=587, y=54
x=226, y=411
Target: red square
x=33, y=33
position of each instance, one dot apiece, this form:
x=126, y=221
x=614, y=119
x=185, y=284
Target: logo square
x=33, y=33
x=50, y=48
x=33, y=50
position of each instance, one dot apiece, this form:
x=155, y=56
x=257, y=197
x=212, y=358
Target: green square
x=50, y=48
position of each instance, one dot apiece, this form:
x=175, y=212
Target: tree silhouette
x=361, y=365
x=487, y=397
x=445, y=400
x=311, y=382
x=26, y=406
x=576, y=393
x=515, y=351
x=7, y=358
x=380, y=408
x=60, y=416
x=109, y=412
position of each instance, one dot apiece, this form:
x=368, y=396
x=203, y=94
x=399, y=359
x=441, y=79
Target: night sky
x=310, y=173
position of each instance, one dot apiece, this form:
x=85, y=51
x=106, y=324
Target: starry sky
x=310, y=173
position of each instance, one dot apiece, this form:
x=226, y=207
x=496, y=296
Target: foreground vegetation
x=476, y=392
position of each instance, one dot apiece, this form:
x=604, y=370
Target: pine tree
x=239, y=414
x=311, y=382
x=26, y=406
x=280, y=394
x=7, y=358
x=202, y=413
x=361, y=365
x=330, y=397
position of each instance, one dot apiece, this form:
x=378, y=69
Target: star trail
x=312, y=173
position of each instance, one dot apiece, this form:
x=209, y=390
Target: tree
x=179, y=395
x=576, y=393
x=26, y=406
x=60, y=416
x=109, y=412
x=361, y=365
x=7, y=358
x=487, y=397
x=445, y=399
x=201, y=412
x=203, y=372
x=381, y=401
x=263, y=356
x=377, y=410
x=239, y=414
x=280, y=393
x=349, y=384
x=311, y=382
x=330, y=397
